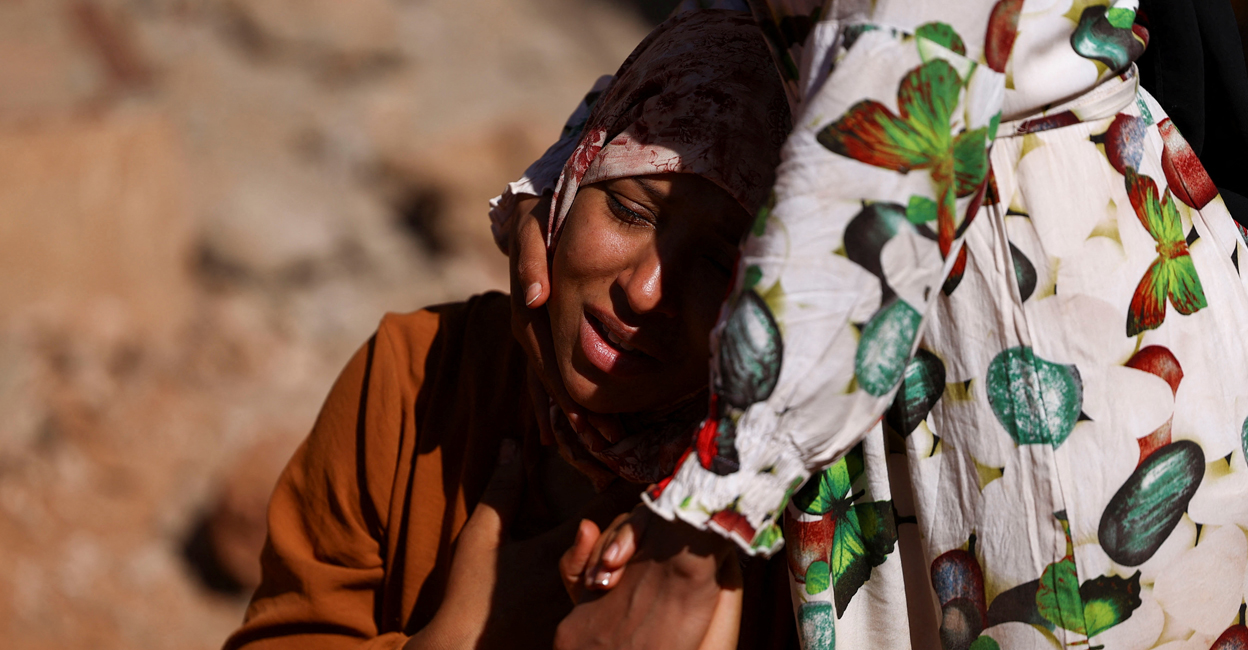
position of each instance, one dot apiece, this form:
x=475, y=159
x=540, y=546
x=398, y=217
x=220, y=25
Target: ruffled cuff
x=746, y=505
x=543, y=174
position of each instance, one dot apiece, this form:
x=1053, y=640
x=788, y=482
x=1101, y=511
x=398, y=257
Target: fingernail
x=532, y=293
x=602, y=579
x=612, y=554
x=507, y=452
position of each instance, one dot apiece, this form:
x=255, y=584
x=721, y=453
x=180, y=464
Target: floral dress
x=983, y=372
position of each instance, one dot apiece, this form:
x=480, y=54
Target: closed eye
x=624, y=214
x=721, y=264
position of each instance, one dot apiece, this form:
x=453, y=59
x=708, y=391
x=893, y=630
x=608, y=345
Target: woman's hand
x=502, y=593
x=683, y=590
x=530, y=287
x=465, y=609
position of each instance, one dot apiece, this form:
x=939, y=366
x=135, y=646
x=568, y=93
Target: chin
x=621, y=397
x=600, y=397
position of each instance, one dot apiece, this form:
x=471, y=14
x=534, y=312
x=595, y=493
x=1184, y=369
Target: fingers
x=619, y=543
x=574, y=561
x=529, y=255
x=621, y=547
x=616, y=547
x=598, y=578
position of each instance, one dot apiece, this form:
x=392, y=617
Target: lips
x=619, y=343
x=608, y=351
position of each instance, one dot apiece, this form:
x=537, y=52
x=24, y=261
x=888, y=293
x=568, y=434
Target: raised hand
x=681, y=590
x=530, y=287
x=504, y=593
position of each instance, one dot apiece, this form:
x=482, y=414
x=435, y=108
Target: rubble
x=205, y=208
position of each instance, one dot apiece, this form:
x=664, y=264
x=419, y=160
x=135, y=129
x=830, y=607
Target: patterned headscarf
x=700, y=95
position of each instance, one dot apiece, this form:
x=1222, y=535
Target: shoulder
x=414, y=339
x=453, y=347
x=487, y=313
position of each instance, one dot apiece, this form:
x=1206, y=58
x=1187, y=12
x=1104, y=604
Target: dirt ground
x=205, y=208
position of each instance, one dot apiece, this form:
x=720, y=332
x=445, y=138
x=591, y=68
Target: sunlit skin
x=642, y=262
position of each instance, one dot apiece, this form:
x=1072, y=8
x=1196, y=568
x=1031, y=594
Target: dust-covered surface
x=205, y=208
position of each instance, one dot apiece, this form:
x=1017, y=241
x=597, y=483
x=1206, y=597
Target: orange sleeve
x=323, y=565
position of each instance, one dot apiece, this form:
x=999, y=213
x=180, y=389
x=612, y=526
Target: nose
x=642, y=283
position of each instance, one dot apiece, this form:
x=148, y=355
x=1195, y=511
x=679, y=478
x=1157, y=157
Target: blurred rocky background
x=205, y=208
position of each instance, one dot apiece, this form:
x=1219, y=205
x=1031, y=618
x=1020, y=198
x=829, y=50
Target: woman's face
x=638, y=276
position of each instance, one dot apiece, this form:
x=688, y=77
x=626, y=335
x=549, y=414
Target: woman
x=1010, y=303
x=643, y=237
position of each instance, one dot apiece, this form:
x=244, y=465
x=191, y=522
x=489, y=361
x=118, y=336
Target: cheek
x=706, y=300
x=589, y=252
x=589, y=256
x=583, y=266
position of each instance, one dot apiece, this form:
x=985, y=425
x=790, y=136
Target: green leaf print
x=764, y=213
x=1108, y=601
x=1243, y=438
x=885, y=347
x=863, y=534
x=1036, y=401
x=1120, y=18
x=822, y=492
x=1105, y=35
x=943, y=34
x=817, y=577
x=750, y=352
x=1058, y=597
x=970, y=163
x=920, y=210
x=767, y=537
x=1090, y=609
x=817, y=626
x=864, y=537
x=985, y=643
x=922, y=384
x=919, y=136
x=753, y=275
x=1144, y=511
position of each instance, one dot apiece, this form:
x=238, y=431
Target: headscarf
x=700, y=95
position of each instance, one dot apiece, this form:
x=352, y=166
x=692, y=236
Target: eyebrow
x=649, y=187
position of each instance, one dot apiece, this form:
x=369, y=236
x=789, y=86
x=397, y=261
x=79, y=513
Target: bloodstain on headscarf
x=700, y=95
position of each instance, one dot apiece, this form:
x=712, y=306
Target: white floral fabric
x=983, y=371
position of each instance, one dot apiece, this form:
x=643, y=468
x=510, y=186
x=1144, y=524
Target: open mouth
x=612, y=339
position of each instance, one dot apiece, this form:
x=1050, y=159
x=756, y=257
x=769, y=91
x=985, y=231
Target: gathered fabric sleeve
x=323, y=565
x=885, y=168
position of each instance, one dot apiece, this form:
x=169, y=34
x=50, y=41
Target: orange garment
x=363, y=521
